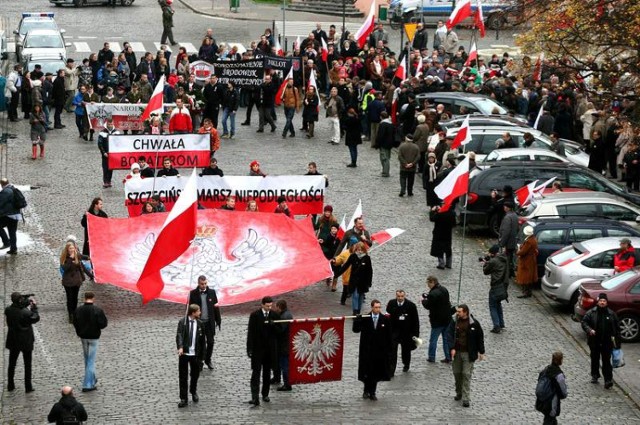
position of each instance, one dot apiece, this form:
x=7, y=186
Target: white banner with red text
x=184, y=150
x=304, y=194
x=126, y=116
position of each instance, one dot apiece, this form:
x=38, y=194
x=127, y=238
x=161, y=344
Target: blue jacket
x=374, y=109
x=77, y=102
x=6, y=202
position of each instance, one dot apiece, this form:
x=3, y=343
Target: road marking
x=137, y=46
x=89, y=37
x=215, y=18
x=114, y=46
x=190, y=47
x=82, y=46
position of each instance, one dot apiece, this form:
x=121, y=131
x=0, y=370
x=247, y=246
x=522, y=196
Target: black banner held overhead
x=246, y=73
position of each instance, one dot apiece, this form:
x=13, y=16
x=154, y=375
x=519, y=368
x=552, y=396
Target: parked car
x=566, y=269
x=520, y=154
x=585, y=204
x=48, y=63
x=520, y=173
x=80, y=3
x=39, y=42
x=31, y=21
x=554, y=233
x=478, y=120
x=623, y=293
x=460, y=103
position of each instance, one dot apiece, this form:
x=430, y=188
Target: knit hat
x=421, y=119
x=431, y=155
x=352, y=241
x=494, y=249
x=134, y=166
x=254, y=163
x=328, y=208
x=603, y=296
x=527, y=231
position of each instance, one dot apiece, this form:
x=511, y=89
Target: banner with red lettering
x=304, y=194
x=244, y=255
x=126, y=116
x=316, y=347
x=184, y=150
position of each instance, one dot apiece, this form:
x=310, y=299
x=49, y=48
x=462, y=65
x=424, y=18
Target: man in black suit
x=190, y=341
x=261, y=348
x=405, y=325
x=207, y=299
x=20, y=316
x=375, y=348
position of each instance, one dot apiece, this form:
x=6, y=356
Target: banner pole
x=316, y=319
x=464, y=228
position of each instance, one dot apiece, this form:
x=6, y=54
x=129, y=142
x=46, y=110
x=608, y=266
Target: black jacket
x=347, y=236
x=386, y=134
x=443, y=224
x=405, y=323
x=211, y=172
x=266, y=95
x=611, y=327
x=230, y=100
x=262, y=338
x=475, y=337
x=213, y=95
x=282, y=333
x=182, y=337
x=375, y=348
x=361, y=273
x=89, y=321
x=103, y=139
x=6, y=202
x=439, y=306
x=67, y=405
x=57, y=93
x=19, y=320
x=212, y=305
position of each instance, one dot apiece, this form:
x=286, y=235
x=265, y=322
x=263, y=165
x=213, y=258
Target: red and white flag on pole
x=543, y=186
x=473, y=55
x=278, y=48
x=316, y=348
x=384, y=236
x=419, y=67
x=537, y=69
x=394, y=106
x=362, y=35
x=174, y=239
x=479, y=19
x=156, y=103
x=540, y=112
x=280, y=93
x=297, y=43
x=525, y=193
x=356, y=214
x=342, y=227
x=463, y=136
x=324, y=49
x=401, y=72
x=459, y=14
x=312, y=83
x=454, y=185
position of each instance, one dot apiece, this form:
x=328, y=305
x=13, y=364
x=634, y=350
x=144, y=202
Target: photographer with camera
x=496, y=265
x=20, y=316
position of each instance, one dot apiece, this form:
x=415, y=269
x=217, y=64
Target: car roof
x=599, y=243
x=579, y=196
x=539, y=164
x=567, y=220
x=459, y=95
x=522, y=151
x=479, y=118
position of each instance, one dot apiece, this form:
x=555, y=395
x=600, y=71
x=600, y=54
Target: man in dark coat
x=265, y=101
x=375, y=349
x=420, y=38
x=497, y=267
x=384, y=142
x=213, y=93
x=439, y=306
x=443, y=224
x=207, y=299
x=67, y=410
x=20, y=316
x=89, y=320
x=262, y=349
x=405, y=325
x=9, y=217
x=603, y=331
x=190, y=341
x=508, y=235
x=58, y=97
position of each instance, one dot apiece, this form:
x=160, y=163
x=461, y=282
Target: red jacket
x=624, y=260
x=180, y=121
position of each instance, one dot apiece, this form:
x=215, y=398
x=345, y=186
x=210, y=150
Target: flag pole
x=191, y=248
x=464, y=228
x=317, y=319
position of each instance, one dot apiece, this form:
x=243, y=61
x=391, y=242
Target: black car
x=554, y=233
x=520, y=173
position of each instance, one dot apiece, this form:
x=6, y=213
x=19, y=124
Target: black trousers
x=370, y=386
x=264, y=369
x=13, y=361
x=167, y=32
x=107, y=174
x=12, y=229
x=13, y=106
x=57, y=122
x=550, y=420
x=407, y=178
x=212, y=114
x=597, y=352
x=209, y=333
x=406, y=353
x=250, y=104
x=72, y=298
x=510, y=254
x=184, y=364
x=265, y=117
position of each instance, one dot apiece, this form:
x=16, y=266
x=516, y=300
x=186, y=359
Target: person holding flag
x=291, y=101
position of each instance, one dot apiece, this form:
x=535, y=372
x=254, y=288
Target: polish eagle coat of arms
x=316, y=349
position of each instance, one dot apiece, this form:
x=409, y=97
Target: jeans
x=462, y=372
x=228, y=114
x=90, y=350
x=45, y=109
x=334, y=128
x=495, y=308
x=407, y=178
x=283, y=359
x=433, y=343
x=288, y=126
x=353, y=152
x=80, y=125
x=385, y=156
x=356, y=300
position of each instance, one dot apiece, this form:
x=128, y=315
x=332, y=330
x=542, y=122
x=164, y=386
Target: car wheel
x=629, y=328
x=126, y=2
x=574, y=300
x=494, y=226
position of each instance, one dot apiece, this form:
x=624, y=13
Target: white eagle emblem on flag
x=316, y=351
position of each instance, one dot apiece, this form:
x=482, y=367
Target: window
x=500, y=177
x=585, y=210
x=607, y=259
x=542, y=174
x=584, y=181
x=618, y=212
x=474, y=144
x=547, y=158
x=579, y=235
x=463, y=107
x=539, y=144
x=518, y=158
x=620, y=232
x=492, y=157
x=635, y=289
x=617, y=279
x=593, y=262
x=551, y=236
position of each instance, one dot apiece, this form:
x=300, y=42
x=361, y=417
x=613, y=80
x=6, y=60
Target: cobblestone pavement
x=137, y=365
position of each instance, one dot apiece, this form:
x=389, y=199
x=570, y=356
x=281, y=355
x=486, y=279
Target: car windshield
x=489, y=106
x=51, y=67
x=39, y=24
x=566, y=254
x=616, y=280
x=44, y=42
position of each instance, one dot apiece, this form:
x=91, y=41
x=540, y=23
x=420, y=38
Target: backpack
x=545, y=390
x=19, y=201
x=69, y=416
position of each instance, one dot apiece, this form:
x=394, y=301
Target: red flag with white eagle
x=362, y=35
x=324, y=50
x=316, y=348
x=463, y=136
x=384, y=236
x=173, y=240
x=479, y=19
x=280, y=92
x=473, y=55
x=454, y=185
x=459, y=14
x=525, y=193
x=156, y=102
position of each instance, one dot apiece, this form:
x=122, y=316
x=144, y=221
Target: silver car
x=566, y=269
x=31, y=21
x=44, y=42
x=521, y=154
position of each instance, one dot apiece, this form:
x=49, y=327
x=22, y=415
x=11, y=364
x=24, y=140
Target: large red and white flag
x=155, y=105
x=473, y=55
x=312, y=83
x=280, y=93
x=342, y=227
x=362, y=35
x=543, y=186
x=394, y=105
x=454, y=185
x=324, y=49
x=401, y=72
x=384, y=236
x=463, y=136
x=316, y=348
x=243, y=254
x=479, y=19
x=525, y=193
x=174, y=239
x=459, y=14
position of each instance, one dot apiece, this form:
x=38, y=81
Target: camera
x=24, y=300
x=425, y=295
x=484, y=259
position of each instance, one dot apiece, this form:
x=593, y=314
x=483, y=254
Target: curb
x=234, y=16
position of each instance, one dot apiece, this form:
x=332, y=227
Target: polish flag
x=459, y=14
x=463, y=136
x=356, y=214
x=540, y=112
x=312, y=82
x=525, y=193
x=401, y=72
x=537, y=69
x=454, y=185
x=362, y=35
x=156, y=103
x=280, y=93
x=479, y=19
x=543, y=186
x=419, y=67
x=394, y=106
x=278, y=48
x=175, y=237
x=296, y=45
x=341, y=229
x=473, y=55
x=384, y=236
x=324, y=49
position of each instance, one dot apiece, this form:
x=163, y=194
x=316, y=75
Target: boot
x=41, y=151
x=91, y=135
x=343, y=297
x=34, y=151
x=334, y=283
x=440, y=263
x=312, y=126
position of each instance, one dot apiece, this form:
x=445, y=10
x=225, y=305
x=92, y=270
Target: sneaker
x=224, y=136
x=431, y=360
x=496, y=330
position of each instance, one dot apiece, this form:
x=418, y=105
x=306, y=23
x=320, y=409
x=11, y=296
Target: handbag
x=617, y=357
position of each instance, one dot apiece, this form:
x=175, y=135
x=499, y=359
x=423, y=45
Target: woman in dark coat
x=597, y=153
x=443, y=223
x=429, y=177
x=94, y=209
x=310, y=111
x=58, y=98
x=72, y=276
x=564, y=122
x=353, y=136
x=25, y=95
x=361, y=275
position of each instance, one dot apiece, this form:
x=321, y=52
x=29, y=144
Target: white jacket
x=10, y=87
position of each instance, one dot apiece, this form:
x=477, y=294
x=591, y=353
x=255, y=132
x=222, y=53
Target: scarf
x=432, y=172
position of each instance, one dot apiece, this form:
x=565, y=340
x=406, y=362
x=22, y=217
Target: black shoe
x=86, y=390
x=448, y=266
x=209, y=365
x=440, y=267
x=266, y=399
x=466, y=404
x=195, y=397
x=183, y=403
x=284, y=136
x=458, y=397
x=292, y=134
x=59, y=127
x=201, y=366
x=401, y=194
x=373, y=397
x=431, y=360
x=405, y=369
x=245, y=123
x=12, y=252
x=352, y=165
x=274, y=381
x=5, y=246
x=447, y=361
x=254, y=401
x=11, y=387
x=260, y=131
x=273, y=129
x=608, y=385
x=410, y=194
x=365, y=395
x=284, y=388
x=594, y=380
x=496, y=330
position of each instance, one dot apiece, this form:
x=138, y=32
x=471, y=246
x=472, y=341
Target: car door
x=620, y=213
x=620, y=232
x=549, y=241
x=578, y=210
x=599, y=266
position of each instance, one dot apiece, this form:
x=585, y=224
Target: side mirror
x=67, y=44
x=638, y=219
x=16, y=32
